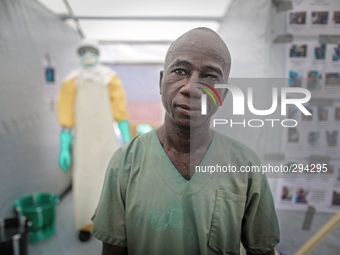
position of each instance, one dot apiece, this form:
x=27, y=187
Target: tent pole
x=80, y=30
x=319, y=236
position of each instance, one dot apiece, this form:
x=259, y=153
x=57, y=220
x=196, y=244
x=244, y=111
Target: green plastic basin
x=40, y=210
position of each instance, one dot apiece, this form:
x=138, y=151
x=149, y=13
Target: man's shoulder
x=136, y=147
x=236, y=149
x=138, y=142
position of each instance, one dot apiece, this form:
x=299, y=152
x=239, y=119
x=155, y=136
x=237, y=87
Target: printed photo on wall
x=314, y=81
x=295, y=79
x=293, y=135
x=298, y=51
x=320, y=18
x=320, y=52
x=313, y=139
x=336, y=17
x=322, y=113
x=287, y=193
x=332, y=138
x=336, y=197
x=301, y=195
x=292, y=112
x=297, y=18
x=49, y=74
x=336, y=53
x=337, y=113
x=332, y=79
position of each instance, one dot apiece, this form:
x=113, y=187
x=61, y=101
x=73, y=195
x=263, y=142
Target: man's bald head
x=200, y=36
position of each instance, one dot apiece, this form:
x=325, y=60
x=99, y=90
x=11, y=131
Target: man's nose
x=189, y=88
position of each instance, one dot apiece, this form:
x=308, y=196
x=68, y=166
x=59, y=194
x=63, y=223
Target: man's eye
x=210, y=77
x=180, y=72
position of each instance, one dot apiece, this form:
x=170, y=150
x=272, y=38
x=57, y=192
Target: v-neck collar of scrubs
x=170, y=175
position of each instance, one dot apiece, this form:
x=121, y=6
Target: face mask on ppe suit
x=89, y=59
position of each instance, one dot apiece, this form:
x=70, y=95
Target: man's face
x=199, y=56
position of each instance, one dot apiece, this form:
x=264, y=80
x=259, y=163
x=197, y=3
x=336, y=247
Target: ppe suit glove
x=125, y=130
x=65, y=153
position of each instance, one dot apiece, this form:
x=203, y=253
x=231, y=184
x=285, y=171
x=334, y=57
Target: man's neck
x=184, y=146
x=181, y=139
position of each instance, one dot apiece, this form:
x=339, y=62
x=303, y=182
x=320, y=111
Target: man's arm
x=109, y=249
x=272, y=252
x=260, y=228
x=109, y=217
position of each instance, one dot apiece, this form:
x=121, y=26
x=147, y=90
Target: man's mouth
x=188, y=110
x=188, y=107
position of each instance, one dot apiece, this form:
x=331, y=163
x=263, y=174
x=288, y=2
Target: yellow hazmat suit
x=90, y=100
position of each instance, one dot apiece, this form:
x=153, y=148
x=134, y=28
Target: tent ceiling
x=99, y=19
x=139, y=30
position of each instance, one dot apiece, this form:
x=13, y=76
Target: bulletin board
x=311, y=149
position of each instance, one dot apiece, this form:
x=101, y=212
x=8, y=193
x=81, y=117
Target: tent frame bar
x=145, y=18
x=110, y=42
x=132, y=62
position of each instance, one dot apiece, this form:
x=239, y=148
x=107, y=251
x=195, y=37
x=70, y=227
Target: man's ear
x=160, y=81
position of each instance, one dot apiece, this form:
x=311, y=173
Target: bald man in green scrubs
x=152, y=205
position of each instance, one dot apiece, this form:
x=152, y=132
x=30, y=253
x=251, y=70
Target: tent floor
x=65, y=241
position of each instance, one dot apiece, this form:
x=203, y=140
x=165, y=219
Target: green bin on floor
x=40, y=210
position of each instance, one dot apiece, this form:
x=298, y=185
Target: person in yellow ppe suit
x=89, y=101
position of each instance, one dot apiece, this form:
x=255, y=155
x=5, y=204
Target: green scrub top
x=149, y=207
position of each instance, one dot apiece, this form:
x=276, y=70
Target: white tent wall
x=29, y=131
x=245, y=31
x=248, y=29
